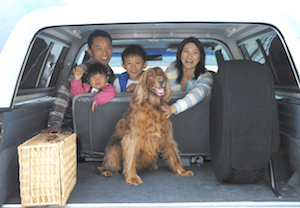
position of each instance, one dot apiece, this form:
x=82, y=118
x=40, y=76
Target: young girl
x=97, y=77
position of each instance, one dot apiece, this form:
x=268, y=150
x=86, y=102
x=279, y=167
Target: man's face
x=101, y=50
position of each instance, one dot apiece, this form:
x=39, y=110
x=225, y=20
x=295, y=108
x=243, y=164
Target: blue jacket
x=123, y=81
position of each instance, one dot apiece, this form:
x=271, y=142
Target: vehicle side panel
x=18, y=125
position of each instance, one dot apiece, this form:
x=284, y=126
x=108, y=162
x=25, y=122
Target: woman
x=188, y=73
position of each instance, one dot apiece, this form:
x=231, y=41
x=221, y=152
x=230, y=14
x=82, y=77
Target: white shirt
x=94, y=90
x=129, y=82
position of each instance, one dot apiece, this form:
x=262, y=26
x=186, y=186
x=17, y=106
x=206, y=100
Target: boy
x=134, y=60
x=100, y=50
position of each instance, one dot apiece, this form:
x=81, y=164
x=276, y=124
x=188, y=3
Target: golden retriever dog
x=143, y=132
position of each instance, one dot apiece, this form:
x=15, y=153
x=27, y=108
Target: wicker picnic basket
x=47, y=166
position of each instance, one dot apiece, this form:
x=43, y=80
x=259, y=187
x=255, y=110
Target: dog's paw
x=186, y=173
x=98, y=169
x=154, y=167
x=134, y=180
x=107, y=173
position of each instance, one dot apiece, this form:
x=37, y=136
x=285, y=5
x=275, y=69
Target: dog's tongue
x=159, y=90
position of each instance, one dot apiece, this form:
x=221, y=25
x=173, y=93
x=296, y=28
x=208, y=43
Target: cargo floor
x=164, y=186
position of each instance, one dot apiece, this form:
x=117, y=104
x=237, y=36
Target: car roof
x=156, y=12
x=145, y=21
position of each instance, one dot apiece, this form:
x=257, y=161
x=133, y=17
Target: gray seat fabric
x=94, y=129
x=243, y=121
x=191, y=127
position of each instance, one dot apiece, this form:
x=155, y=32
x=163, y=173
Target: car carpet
x=164, y=186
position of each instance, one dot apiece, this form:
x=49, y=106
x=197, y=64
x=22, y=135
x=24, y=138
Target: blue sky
x=13, y=10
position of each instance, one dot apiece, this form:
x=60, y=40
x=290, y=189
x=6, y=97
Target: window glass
x=225, y=55
x=161, y=58
x=211, y=61
x=268, y=49
x=253, y=47
x=50, y=65
x=164, y=58
x=156, y=57
x=280, y=64
x=254, y=52
x=34, y=63
x=41, y=63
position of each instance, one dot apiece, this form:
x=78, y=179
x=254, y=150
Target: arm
x=78, y=88
x=172, y=74
x=131, y=87
x=108, y=92
x=197, y=94
x=61, y=103
x=83, y=66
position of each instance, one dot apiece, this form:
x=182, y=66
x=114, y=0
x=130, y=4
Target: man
x=100, y=50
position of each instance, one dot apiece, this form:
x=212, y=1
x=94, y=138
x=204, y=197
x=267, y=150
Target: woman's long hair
x=200, y=68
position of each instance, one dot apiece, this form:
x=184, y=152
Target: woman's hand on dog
x=168, y=110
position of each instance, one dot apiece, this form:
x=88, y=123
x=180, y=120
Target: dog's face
x=156, y=81
x=153, y=82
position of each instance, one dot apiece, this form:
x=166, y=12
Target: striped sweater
x=198, y=88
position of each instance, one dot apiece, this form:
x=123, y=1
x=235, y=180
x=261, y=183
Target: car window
x=161, y=58
x=267, y=49
x=155, y=57
x=43, y=64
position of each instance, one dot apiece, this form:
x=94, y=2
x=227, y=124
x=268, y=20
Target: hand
x=131, y=88
x=169, y=110
x=51, y=130
x=78, y=73
x=94, y=105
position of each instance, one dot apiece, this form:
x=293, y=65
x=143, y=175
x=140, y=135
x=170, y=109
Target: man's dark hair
x=97, y=33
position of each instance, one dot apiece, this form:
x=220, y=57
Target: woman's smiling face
x=190, y=56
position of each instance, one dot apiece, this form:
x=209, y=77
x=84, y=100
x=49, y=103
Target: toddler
x=97, y=77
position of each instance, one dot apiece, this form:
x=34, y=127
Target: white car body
x=286, y=18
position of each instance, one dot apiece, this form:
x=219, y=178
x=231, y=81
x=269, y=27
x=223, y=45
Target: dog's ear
x=141, y=92
x=167, y=95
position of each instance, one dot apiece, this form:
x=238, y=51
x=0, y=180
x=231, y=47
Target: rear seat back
x=191, y=127
x=94, y=129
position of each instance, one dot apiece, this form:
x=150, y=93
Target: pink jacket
x=108, y=91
